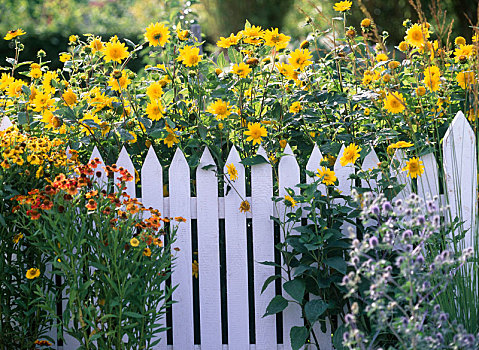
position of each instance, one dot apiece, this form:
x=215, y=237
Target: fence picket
x=5, y=123
x=402, y=178
x=289, y=177
x=428, y=182
x=125, y=162
x=344, y=186
x=313, y=165
x=236, y=258
x=179, y=200
x=102, y=180
x=152, y=196
x=263, y=250
x=460, y=170
x=370, y=162
x=208, y=254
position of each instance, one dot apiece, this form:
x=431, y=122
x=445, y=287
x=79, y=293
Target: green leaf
x=277, y=304
x=133, y=314
x=314, y=309
x=337, y=263
x=295, y=288
x=254, y=160
x=269, y=263
x=221, y=61
x=338, y=338
x=234, y=56
x=22, y=118
x=298, y=337
x=268, y=282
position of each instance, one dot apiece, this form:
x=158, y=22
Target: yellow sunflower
x=220, y=109
x=350, y=155
x=342, y=6
x=155, y=110
x=289, y=201
x=115, y=51
x=154, y=91
x=275, y=39
x=157, y=34
x=299, y=59
x=414, y=167
x=394, y=102
x=189, y=56
x=232, y=172
x=255, y=132
x=241, y=70
x=417, y=35
x=466, y=79
x=14, y=33
x=328, y=177
x=33, y=273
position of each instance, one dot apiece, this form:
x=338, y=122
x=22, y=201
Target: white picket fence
x=460, y=173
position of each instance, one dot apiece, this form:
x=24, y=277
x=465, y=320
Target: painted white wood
x=179, y=205
x=236, y=257
x=289, y=177
x=428, y=182
x=263, y=250
x=313, y=164
x=344, y=186
x=152, y=196
x=125, y=162
x=370, y=162
x=5, y=123
x=401, y=175
x=460, y=169
x=103, y=179
x=208, y=253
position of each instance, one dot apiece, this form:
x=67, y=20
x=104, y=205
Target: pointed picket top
x=402, y=178
x=179, y=201
x=152, y=181
x=103, y=179
x=343, y=173
x=370, y=162
x=125, y=162
x=289, y=175
x=206, y=160
x=460, y=170
x=428, y=182
x=5, y=123
x=314, y=163
x=263, y=250
x=208, y=252
x=236, y=256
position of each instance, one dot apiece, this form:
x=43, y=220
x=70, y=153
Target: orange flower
x=180, y=219
x=91, y=205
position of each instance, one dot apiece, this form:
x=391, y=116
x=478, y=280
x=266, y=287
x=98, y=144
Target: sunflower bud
x=218, y=71
x=351, y=33
x=252, y=62
x=366, y=23
x=282, y=143
x=116, y=74
x=56, y=122
x=41, y=54
x=304, y=44
x=462, y=59
x=148, y=143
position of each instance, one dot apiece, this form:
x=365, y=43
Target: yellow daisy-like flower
x=255, y=132
x=189, y=56
x=115, y=51
x=381, y=57
x=134, y=242
x=275, y=39
x=155, y=110
x=350, y=154
x=299, y=59
x=420, y=91
x=328, y=177
x=245, y=206
x=147, y=252
x=289, y=201
x=417, y=35
x=241, y=70
x=33, y=273
x=157, y=34
x=229, y=41
x=342, y=6
x=171, y=138
x=394, y=102
x=459, y=41
x=465, y=51
x=432, y=78
x=42, y=102
x=399, y=144
x=36, y=73
x=154, y=91
x=220, y=109
x=232, y=172
x=295, y=107
x=14, y=89
x=466, y=79
x=17, y=238
x=414, y=167
x=118, y=81
x=65, y=57
x=96, y=45
x=14, y=33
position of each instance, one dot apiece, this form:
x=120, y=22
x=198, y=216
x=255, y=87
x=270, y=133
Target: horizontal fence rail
x=223, y=235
